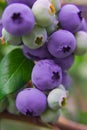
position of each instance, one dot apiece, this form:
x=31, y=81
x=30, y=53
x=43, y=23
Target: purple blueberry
x=1, y=26
x=66, y=62
x=61, y=43
x=37, y=54
x=66, y=80
x=82, y=26
x=31, y=101
x=46, y=75
x=18, y=19
x=70, y=17
x=27, y=2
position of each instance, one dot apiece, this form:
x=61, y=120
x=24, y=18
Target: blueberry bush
x=42, y=45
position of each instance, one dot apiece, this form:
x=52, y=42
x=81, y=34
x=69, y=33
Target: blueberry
x=27, y=2
x=18, y=19
x=36, y=38
x=53, y=27
x=70, y=17
x=66, y=80
x=57, y=98
x=37, y=54
x=82, y=26
x=61, y=43
x=13, y=40
x=65, y=63
x=81, y=43
x=44, y=12
x=31, y=101
x=50, y=116
x=46, y=75
x=57, y=4
x=1, y=26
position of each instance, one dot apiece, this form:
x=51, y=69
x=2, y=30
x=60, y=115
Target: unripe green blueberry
x=36, y=38
x=81, y=43
x=61, y=87
x=50, y=116
x=44, y=12
x=14, y=40
x=53, y=27
x=57, y=4
x=57, y=98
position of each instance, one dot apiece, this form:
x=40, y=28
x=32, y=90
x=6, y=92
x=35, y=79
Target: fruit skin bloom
x=18, y=19
x=27, y=2
x=31, y=101
x=70, y=17
x=46, y=75
x=61, y=43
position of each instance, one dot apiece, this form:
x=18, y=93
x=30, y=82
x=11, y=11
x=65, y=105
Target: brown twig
x=61, y=124
x=27, y=119
x=65, y=124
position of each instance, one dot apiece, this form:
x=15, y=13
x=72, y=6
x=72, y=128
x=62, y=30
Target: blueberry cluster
x=51, y=35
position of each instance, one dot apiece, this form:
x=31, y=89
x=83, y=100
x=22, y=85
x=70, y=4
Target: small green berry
x=36, y=38
x=13, y=40
x=81, y=43
x=50, y=116
x=57, y=98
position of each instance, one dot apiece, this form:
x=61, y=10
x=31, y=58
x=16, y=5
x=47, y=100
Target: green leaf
x=15, y=71
x=2, y=4
x=82, y=117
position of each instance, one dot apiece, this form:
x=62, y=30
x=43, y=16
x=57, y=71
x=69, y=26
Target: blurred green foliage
x=78, y=90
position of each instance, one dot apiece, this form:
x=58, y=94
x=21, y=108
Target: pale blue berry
x=81, y=43
x=57, y=98
x=36, y=38
x=13, y=40
x=44, y=12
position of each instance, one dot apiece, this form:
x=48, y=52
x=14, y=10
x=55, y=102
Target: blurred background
x=76, y=109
